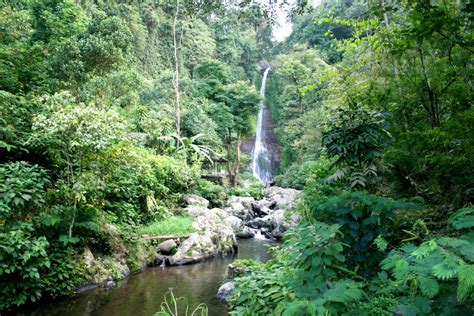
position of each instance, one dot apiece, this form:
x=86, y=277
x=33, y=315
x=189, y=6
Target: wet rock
x=224, y=294
x=259, y=222
x=166, y=247
x=195, y=200
x=110, y=285
x=246, y=232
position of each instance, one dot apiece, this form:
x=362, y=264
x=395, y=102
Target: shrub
x=30, y=267
x=301, y=279
x=213, y=192
x=21, y=189
x=440, y=269
x=362, y=218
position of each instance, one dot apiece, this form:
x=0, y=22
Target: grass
x=175, y=225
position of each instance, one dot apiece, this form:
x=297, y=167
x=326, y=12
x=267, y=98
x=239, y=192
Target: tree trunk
x=395, y=69
x=230, y=169
x=176, y=73
x=237, y=164
x=432, y=109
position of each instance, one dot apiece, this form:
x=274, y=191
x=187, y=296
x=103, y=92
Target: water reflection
x=142, y=294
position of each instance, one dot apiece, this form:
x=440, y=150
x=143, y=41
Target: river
x=142, y=294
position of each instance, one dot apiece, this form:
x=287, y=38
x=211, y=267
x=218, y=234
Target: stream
x=142, y=294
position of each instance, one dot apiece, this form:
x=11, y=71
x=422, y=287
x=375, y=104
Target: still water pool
x=142, y=294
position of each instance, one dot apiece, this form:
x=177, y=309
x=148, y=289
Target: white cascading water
x=261, y=156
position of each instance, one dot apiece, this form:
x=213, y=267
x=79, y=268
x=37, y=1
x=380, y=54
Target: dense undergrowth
x=111, y=111
x=98, y=139
x=373, y=110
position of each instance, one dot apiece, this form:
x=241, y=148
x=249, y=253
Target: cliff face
x=269, y=139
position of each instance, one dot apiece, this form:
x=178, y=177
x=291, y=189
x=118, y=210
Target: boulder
x=206, y=222
x=245, y=232
x=263, y=207
x=282, y=197
x=166, y=247
x=195, y=211
x=239, y=210
x=88, y=258
x=195, y=200
x=224, y=293
x=259, y=222
x=244, y=200
x=220, y=212
x=214, y=237
x=236, y=223
x=280, y=223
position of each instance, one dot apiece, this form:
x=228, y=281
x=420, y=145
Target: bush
x=298, y=175
x=139, y=186
x=21, y=189
x=253, y=187
x=296, y=281
x=30, y=267
x=212, y=192
x=362, y=217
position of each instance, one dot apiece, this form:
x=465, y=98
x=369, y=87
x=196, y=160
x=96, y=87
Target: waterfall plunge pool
x=142, y=293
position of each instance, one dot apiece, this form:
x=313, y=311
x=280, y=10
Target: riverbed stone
x=213, y=237
x=195, y=211
x=110, y=285
x=283, y=197
x=246, y=201
x=236, y=223
x=166, y=247
x=224, y=294
x=245, y=232
x=195, y=200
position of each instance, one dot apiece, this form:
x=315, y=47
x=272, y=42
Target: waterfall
x=261, y=157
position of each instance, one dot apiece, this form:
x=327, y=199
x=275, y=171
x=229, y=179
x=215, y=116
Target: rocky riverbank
x=216, y=233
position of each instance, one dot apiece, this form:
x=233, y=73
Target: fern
x=448, y=268
x=429, y=286
x=462, y=218
x=466, y=282
x=380, y=243
x=425, y=249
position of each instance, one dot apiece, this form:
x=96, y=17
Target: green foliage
x=356, y=139
x=462, y=218
x=300, y=280
x=363, y=218
x=212, y=192
x=175, y=306
x=22, y=188
x=30, y=267
x=255, y=189
x=174, y=225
